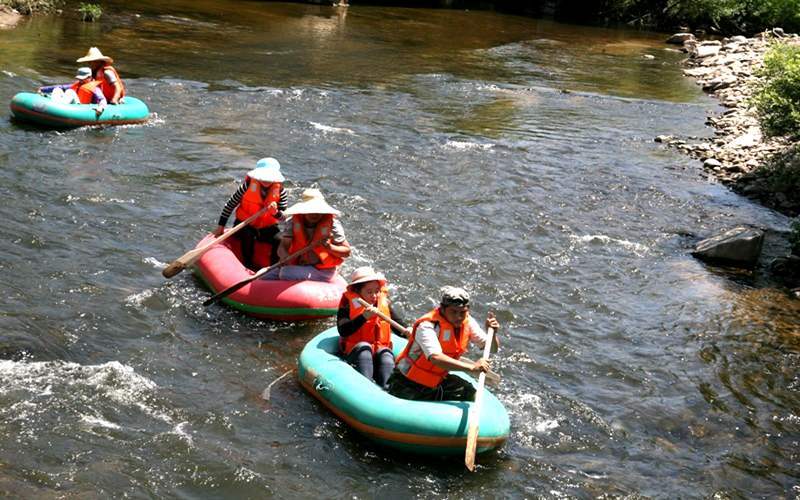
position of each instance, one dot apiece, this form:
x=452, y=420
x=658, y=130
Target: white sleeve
x=427, y=339
x=337, y=232
x=110, y=76
x=478, y=336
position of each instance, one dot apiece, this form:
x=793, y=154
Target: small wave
x=99, y=199
x=335, y=130
x=92, y=421
x=637, y=248
x=137, y=299
x=180, y=431
x=466, y=145
x=155, y=262
x=9, y=73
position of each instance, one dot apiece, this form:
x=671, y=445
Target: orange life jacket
x=416, y=367
x=376, y=331
x=252, y=202
x=85, y=91
x=322, y=231
x=106, y=86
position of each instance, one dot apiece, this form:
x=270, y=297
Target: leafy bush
x=90, y=12
x=777, y=97
x=28, y=7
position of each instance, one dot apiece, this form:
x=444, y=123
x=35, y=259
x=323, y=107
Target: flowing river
x=509, y=155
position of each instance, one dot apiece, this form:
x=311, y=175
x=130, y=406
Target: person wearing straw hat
x=313, y=223
x=262, y=187
x=365, y=338
x=438, y=339
x=85, y=90
x=110, y=83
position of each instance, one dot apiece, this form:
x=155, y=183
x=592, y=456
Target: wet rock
x=663, y=138
x=648, y=56
x=711, y=163
x=738, y=39
x=778, y=32
x=680, y=38
x=740, y=246
x=702, y=51
x=786, y=268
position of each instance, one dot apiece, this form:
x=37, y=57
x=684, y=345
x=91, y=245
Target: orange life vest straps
x=416, y=367
x=322, y=231
x=252, y=202
x=375, y=331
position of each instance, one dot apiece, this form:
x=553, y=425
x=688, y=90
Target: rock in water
x=739, y=246
x=679, y=38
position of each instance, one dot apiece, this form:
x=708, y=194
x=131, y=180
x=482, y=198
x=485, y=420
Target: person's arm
x=428, y=340
x=337, y=243
x=112, y=79
x=479, y=336
x=344, y=324
x=232, y=203
x=283, y=203
x=99, y=99
x=286, y=239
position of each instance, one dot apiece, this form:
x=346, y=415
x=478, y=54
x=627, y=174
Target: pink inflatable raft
x=220, y=268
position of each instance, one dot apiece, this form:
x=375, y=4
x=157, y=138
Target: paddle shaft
x=261, y=272
x=191, y=256
x=475, y=411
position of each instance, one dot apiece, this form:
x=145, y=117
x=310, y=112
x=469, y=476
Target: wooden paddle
x=491, y=376
x=192, y=256
x=475, y=411
x=261, y=272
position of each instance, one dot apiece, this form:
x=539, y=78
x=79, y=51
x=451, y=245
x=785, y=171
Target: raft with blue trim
x=221, y=267
x=425, y=427
x=41, y=110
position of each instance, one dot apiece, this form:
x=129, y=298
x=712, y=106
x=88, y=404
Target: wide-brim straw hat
x=267, y=170
x=94, y=54
x=312, y=203
x=365, y=274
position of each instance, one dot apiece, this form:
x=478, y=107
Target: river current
x=509, y=155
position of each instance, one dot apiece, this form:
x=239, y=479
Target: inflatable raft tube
x=425, y=427
x=220, y=268
x=41, y=110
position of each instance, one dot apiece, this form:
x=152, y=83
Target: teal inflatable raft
x=39, y=109
x=435, y=428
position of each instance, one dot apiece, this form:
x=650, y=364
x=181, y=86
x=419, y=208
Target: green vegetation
x=777, y=96
x=728, y=16
x=90, y=12
x=794, y=236
x=28, y=7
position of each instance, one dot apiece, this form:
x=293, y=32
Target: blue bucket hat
x=267, y=170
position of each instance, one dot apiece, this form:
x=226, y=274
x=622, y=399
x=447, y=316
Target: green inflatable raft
x=426, y=427
x=41, y=110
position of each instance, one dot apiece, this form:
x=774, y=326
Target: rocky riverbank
x=8, y=17
x=739, y=155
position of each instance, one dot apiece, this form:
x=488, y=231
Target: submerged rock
x=680, y=38
x=740, y=246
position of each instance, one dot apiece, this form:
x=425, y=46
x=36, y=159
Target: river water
x=508, y=155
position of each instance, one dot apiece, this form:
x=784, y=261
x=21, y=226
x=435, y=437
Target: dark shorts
x=452, y=388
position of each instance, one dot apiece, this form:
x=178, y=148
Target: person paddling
x=110, y=83
x=84, y=90
x=262, y=187
x=365, y=339
x=438, y=339
x=312, y=220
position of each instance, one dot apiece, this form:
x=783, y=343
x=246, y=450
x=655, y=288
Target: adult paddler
x=313, y=222
x=110, y=82
x=262, y=187
x=438, y=339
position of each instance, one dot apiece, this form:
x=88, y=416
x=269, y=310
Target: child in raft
x=262, y=187
x=366, y=339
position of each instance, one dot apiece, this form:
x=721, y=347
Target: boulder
x=786, y=268
x=740, y=246
x=702, y=51
x=679, y=38
x=739, y=39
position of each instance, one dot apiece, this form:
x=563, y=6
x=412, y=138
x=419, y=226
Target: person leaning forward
x=313, y=222
x=102, y=71
x=262, y=187
x=438, y=339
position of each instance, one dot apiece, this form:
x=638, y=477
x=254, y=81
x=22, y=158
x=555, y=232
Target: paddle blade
x=472, y=446
x=174, y=268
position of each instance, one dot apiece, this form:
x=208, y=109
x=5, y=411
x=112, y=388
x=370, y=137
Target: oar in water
x=261, y=272
x=192, y=256
x=475, y=410
x=490, y=375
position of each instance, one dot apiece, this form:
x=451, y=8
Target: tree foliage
x=777, y=96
